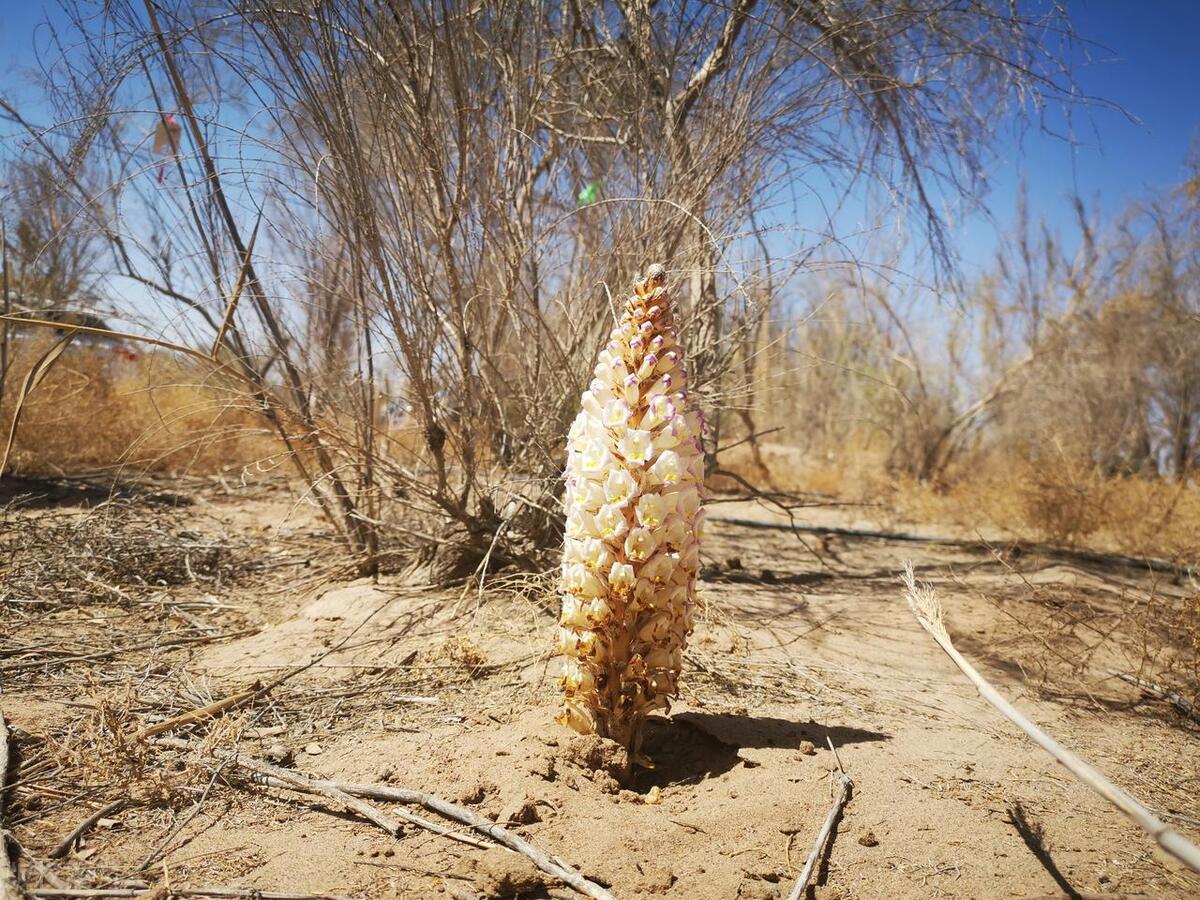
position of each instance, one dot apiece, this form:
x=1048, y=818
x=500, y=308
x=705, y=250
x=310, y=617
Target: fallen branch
x=66, y=844
x=928, y=611
x=810, y=864
x=550, y=865
x=311, y=786
x=338, y=790
x=1184, y=706
x=8, y=879
x=252, y=893
x=195, y=715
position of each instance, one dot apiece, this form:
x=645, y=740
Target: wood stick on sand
x=1184, y=706
x=65, y=845
x=810, y=864
x=8, y=880
x=346, y=795
x=196, y=715
x=928, y=610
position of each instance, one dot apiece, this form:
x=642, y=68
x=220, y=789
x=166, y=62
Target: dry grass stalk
x=928, y=611
x=810, y=864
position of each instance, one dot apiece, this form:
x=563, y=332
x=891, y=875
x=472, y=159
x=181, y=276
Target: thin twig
x=8, y=878
x=810, y=864
x=274, y=776
x=928, y=611
x=65, y=845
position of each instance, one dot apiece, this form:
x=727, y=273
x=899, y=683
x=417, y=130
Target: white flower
x=622, y=578
x=660, y=568
x=595, y=458
x=651, y=510
x=632, y=389
x=639, y=544
x=572, y=552
x=576, y=643
x=643, y=594
x=689, y=501
x=660, y=410
x=581, y=580
x=591, y=405
x=662, y=386
x=575, y=436
x=581, y=524
x=593, y=554
x=616, y=414
x=598, y=611
x=668, y=437
x=572, y=611
x=610, y=522
x=577, y=717
x=690, y=558
x=667, y=468
x=636, y=446
x=591, y=495
x=646, y=369
x=576, y=678
x=620, y=487
x=676, y=531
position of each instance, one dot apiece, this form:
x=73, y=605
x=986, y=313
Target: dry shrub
x=1059, y=500
x=1070, y=502
x=104, y=405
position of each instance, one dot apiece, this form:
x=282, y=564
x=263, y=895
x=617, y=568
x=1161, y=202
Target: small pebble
x=808, y=748
x=868, y=839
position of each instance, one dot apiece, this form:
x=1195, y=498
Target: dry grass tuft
x=103, y=407
x=464, y=652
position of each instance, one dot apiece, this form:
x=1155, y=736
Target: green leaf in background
x=589, y=194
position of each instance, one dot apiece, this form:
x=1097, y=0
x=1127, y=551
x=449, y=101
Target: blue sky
x=1144, y=57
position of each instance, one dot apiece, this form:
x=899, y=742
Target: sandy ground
x=803, y=640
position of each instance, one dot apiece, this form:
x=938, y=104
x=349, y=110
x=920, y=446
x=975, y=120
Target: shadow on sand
x=692, y=746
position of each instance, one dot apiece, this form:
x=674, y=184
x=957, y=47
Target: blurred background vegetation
x=386, y=242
